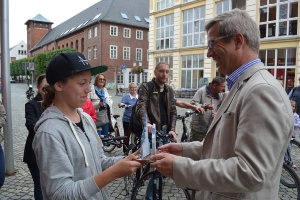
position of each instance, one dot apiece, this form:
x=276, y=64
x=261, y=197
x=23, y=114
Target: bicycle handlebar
x=187, y=114
x=108, y=141
x=125, y=106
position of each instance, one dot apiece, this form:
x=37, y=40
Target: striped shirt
x=232, y=78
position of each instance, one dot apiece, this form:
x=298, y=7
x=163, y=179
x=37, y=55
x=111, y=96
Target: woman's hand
x=101, y=104
x=128, y=165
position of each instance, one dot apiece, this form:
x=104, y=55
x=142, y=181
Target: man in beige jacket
x=242, y=154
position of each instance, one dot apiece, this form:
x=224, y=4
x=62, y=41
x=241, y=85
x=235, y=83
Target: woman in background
x=33, y=111
x=2, y=158
x=102, y=101
x=129, y=99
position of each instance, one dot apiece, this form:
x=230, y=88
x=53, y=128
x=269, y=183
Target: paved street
x=20, y=185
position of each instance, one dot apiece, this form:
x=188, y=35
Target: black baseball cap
x=67, y=64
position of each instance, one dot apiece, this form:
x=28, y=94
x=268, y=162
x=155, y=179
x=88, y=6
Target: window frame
x=113, y=31
x=113, y=51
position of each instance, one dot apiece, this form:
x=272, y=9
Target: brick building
x=111, y=32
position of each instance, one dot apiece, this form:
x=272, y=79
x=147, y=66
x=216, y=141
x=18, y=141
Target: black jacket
x=152, y=108
x=33, y=111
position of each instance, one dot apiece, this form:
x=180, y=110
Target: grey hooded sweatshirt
x=68, y=158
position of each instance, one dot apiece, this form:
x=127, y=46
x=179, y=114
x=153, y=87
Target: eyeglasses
x=210, y=43
x=101, y=79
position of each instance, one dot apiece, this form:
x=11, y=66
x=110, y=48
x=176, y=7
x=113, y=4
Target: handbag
x=102, y=118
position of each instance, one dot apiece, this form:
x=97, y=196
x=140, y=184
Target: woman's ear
x=58, y=86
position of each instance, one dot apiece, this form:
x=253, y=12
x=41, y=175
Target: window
x=113, y=30
x=113, y=52
x=193, y=27
x=281, y=63
x=131, y=77
x=165, y=32
x=127, y=33
x=226, y=5
x=192, y=70
x=89, y=53
x=139, y=35
x=89, y=33
x=95, y=31
x=137, y=18
x=145, y=77
x=163, y=4
x=95, y=52
x=278, y=18
x=139, y=54
x=185, y=1
x=120, y=78
x=124, y=16
x=126, y=53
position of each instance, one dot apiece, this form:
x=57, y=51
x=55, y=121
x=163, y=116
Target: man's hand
x=149, y=128
x=199, y=109
x=173, y=148
x=174, y=136
x=163, y=162
x=208, y=106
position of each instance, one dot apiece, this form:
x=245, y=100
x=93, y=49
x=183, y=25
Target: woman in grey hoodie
x=67, y=147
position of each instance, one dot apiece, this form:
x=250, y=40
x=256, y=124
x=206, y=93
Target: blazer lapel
x=236, y=87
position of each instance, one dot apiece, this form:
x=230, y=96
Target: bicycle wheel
x=129, y=181
x=168, y=188
x=287, y=176
x=295, y=154
x=290, y=184
x=109, y=147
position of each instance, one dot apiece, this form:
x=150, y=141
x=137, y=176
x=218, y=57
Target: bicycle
x=185, y=137
x=160, y=183
x=109, y=147
x=291, y=181
x=295, y=153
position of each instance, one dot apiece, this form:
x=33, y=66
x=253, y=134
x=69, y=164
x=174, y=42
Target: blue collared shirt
x=232, y=78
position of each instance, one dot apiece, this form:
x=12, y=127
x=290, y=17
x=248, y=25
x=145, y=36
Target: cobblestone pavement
x=20, y=185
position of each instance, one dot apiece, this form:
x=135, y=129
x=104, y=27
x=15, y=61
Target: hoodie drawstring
x=78, y=140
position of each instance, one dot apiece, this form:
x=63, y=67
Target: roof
x=39, y=18
x=103, y=11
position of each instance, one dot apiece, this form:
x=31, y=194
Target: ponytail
x=48, y=96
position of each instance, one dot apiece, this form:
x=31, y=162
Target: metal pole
x=5, y=71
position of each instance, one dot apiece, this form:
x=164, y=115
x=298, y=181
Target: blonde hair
x=96, y=79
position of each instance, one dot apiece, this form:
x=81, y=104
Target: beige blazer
x=242, y=154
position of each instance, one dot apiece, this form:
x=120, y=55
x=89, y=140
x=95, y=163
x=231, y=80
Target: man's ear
x=239, y=40
x=58, y=86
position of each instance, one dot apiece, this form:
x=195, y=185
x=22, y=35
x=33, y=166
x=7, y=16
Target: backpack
x=135, y=123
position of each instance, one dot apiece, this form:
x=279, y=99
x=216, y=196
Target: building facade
x=177, y=36
x=18, y=51
x=110, y=32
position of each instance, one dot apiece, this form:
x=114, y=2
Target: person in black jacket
x=33, y=111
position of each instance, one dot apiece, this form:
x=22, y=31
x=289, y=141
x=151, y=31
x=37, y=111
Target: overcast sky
x=56, y=11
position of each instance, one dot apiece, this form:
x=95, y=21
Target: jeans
x=35, y=174
x=125, y=128
x=149, y=192
x=2, y=167
x=287, y=155
x=104, y=130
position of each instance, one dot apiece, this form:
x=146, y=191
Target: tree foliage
x=41, y=62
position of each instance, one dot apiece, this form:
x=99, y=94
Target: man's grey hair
x=237, y=21
x=218, y=80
